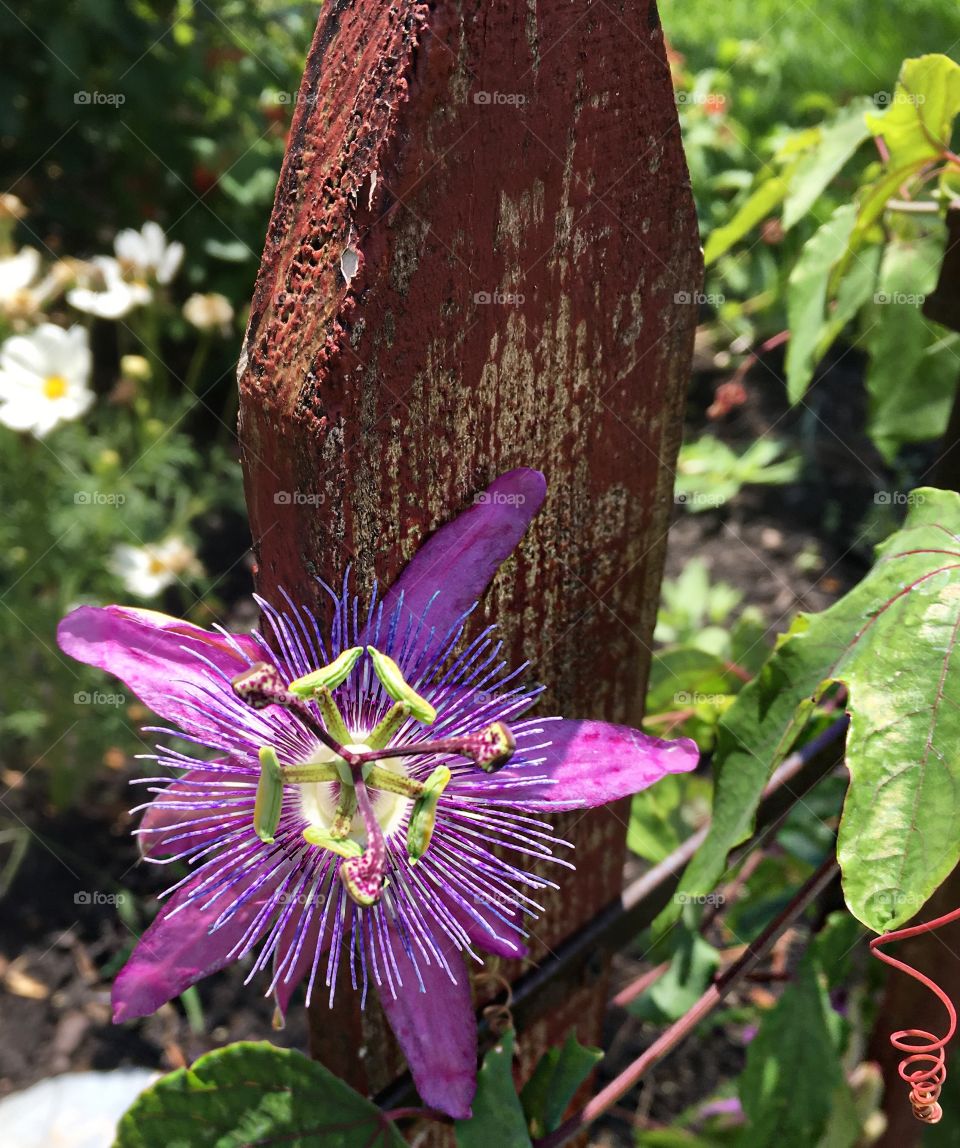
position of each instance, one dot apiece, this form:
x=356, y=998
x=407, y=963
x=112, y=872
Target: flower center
x=320, y=800
x=54, y=387
x=354, y=791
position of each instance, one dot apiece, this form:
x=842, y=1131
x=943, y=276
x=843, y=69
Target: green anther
x=343, y=847
x=388, y=726
x=393, y=680
x=330, y=676
x=269, y=799
x=332, y=718
x=380, y=778
x=424, y=815
x=346, y=808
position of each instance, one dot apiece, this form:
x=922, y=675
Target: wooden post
x=483, y=254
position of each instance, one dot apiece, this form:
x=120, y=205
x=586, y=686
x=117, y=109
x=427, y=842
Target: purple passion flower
x=372, y=799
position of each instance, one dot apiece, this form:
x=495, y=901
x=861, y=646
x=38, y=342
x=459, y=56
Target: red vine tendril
x=924, y=1067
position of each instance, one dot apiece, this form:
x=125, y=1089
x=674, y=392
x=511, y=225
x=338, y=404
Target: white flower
x=146, y=252
x=207, y=312
x=17, y=272
x=113, y=296
x=44, y=378
x=147, y=570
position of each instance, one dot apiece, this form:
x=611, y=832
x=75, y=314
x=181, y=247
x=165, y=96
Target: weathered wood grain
x=481, y=256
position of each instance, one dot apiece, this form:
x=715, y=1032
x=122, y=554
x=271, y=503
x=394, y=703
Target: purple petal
x=503, y=939
x=303, y=961
x=461, y=558
x=150, y=652
x=163, y=819
x=587, y=763
x=178, y=950
x=436, y=1028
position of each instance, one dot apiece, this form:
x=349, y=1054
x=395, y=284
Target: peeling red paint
x=381, y=405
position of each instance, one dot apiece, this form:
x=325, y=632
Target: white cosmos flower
x=17, y=272
x=209, y=312
x=44, y=378
x=111, y=296
x=147, y=570
x=147, y=253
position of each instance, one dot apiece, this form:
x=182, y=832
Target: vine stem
x=752, y=955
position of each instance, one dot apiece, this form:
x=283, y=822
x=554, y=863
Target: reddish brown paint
x=381, y=405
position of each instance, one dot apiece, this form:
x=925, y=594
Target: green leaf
x=755, y=210
x=555, y=1080
x=912, y=376
x=891, y=640
x=793, y=1069
x=838, y=141
x=916, y=128
x=498, y=1117
x=252, y=1092
x=855, y=287
x=709, y=472
x=681, y=675
x=807, y=298
x=660, y=817
x=917, y=125
x=691, y=970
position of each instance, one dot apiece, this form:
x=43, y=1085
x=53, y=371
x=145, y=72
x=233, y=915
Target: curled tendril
x=498, y=1016
x=924, y=1067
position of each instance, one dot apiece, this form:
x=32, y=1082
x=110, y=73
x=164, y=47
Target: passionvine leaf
x=555, y=1080
x=498, y=1117
x=891, y=640
x=253, y=1093
x=793, y=1079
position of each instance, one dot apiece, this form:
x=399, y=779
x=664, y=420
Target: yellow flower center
x=54, y=386
x=158, y=567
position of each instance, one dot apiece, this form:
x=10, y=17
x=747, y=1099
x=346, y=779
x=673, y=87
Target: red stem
x=666, y=1043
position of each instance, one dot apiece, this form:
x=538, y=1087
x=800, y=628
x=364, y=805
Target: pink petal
x=461, y=558
x=588, y=763
x=436, y=1028
x=178, y=949
x=163, y=819
x=150, y=653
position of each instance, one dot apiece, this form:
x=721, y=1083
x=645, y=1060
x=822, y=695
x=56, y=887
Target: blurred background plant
x=128, y=251
x=822, y=182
